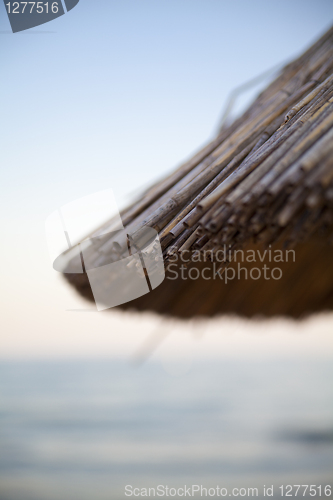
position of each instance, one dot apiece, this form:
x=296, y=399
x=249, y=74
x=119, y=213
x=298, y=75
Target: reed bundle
x=265, y=179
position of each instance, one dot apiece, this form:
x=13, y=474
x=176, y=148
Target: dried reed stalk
x=267, y=176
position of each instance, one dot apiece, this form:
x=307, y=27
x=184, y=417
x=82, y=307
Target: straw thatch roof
x=265, y=182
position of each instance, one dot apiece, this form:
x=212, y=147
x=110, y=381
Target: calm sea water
x=82, y=430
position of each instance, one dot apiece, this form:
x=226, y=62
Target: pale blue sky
x=124, y=90
x=113, y=95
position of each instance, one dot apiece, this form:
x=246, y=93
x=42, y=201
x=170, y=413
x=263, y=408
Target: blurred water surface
x=84, y=429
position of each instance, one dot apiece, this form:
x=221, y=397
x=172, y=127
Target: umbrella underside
x=265, y=183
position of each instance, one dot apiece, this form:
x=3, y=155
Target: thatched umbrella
x=265, y=182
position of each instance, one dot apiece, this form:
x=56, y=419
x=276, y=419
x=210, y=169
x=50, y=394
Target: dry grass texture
x=267, y=179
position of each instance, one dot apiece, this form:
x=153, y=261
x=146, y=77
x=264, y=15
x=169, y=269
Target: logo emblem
x=121, y=265
x=25, y=15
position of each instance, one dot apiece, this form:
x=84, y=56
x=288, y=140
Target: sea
x=104, y=429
